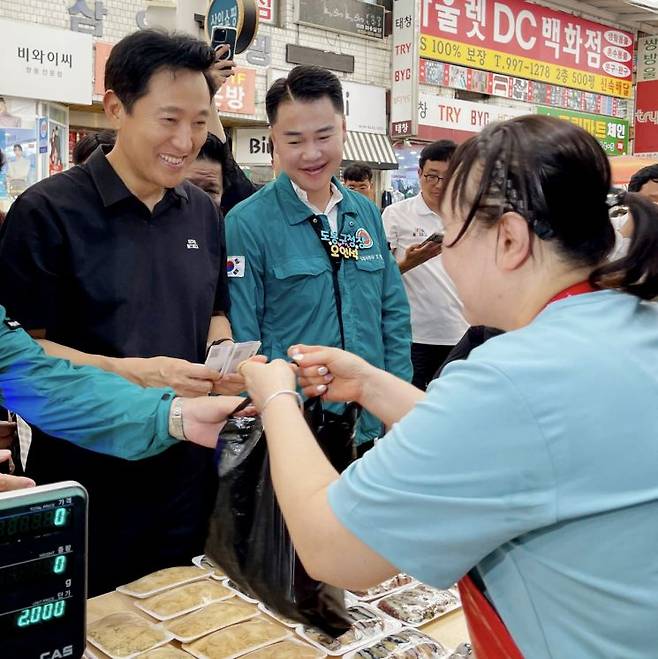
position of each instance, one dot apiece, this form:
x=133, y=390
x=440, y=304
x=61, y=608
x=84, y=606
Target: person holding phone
x=414, y=229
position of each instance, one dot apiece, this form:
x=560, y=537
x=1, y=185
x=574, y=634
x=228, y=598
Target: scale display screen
x=43, y=589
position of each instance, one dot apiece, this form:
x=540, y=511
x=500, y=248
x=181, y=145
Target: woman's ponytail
x=637, y=272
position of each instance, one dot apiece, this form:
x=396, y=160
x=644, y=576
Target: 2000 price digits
x=41, y=613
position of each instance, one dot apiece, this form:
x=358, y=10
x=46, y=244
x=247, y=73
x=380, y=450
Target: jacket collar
x=296, y=211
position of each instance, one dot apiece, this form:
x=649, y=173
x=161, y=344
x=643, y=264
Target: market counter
x=450, y=629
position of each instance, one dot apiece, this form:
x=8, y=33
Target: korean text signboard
x=447, y=118
x=518, y=38
x=348, y=16
x=611, y=133
x=404, y=74
x=267, y=11
x=238, y=93
x=647, y=58
x=46, y=63
x=443, y=74
x=646, y=117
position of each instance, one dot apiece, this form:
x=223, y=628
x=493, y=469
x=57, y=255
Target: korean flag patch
x=235, y=266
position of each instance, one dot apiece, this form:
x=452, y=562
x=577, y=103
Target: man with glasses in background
x=415, y=230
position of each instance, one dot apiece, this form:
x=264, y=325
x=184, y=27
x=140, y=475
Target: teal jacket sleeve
x=396, y=317
x=246, y=275
x=91, y=408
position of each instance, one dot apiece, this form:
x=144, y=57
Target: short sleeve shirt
x=84, y=259
x=437, y=316
x=535, y=460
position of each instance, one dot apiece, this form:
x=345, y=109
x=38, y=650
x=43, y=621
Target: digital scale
x=43, y=572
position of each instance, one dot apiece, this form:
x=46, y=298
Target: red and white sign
x=404, y=75
x=447, y=118
x=238, y=93
x=646, y=117
x=520, y=38
x=267, y=11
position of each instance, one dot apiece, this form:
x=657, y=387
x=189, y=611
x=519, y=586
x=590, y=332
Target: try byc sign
x=519, y=38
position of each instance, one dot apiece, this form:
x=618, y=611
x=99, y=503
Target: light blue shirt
x=535, y=460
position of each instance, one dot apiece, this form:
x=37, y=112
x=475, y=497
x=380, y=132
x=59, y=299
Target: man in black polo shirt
x=119, y=264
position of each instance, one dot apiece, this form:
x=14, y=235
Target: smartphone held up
x=224, y=36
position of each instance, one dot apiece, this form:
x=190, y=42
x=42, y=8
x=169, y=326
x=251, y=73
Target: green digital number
x=41, y=613
x=60, y=517
x=59, y=565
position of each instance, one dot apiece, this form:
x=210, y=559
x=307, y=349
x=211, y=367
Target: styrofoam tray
x=401, y=648
x=203, y=574
x=232, y=587
x=417, y=625
x=167, y=636
x=390, y=627
x=285, y=634
x=206, y=632
x=158, y=616
x=372, y=598
x=275, y=616
x=294, y=641
x=205, y=563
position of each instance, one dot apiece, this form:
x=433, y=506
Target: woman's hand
x=332, y=373
x=263, y=380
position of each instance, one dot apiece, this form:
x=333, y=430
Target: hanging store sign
x=447, y=118
x=348, y=16
x=611, y=133
x=404, y=73
x=46, y=63
x=647, y=59
x=518, y=38
x=646, y=117
x=238, y=93
x=267, y=11
x=520, y=89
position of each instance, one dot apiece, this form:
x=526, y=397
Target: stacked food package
x=197, y=611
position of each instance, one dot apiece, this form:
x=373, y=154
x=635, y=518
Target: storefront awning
x=374, y=150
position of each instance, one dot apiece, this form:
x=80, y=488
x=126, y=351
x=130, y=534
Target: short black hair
x=90, y=142
x=213, y=149
x=357, y=172
x=439, y=151
x=17, y=146
x=304, y=83
x=2, y=159
x=642, y=177
x=136, y=58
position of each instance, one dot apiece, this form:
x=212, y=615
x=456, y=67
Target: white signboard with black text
x=46, y=63
x=251, y=146
x=365, y=108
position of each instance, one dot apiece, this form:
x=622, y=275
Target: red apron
x=489, y=636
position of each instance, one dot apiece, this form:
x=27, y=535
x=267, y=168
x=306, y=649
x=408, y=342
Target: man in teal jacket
x=95, y=409
x=310, y=260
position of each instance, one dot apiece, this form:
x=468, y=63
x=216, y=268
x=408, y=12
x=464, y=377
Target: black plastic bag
x=247, y=535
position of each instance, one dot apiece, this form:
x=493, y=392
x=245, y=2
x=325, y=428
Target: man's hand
x=8, y=482
x=7, y=433
x=185, y=378
x=203, y=418
x=222, y=70
x=417, y=254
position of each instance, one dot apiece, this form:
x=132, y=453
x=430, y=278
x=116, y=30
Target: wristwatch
x=176, y=420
